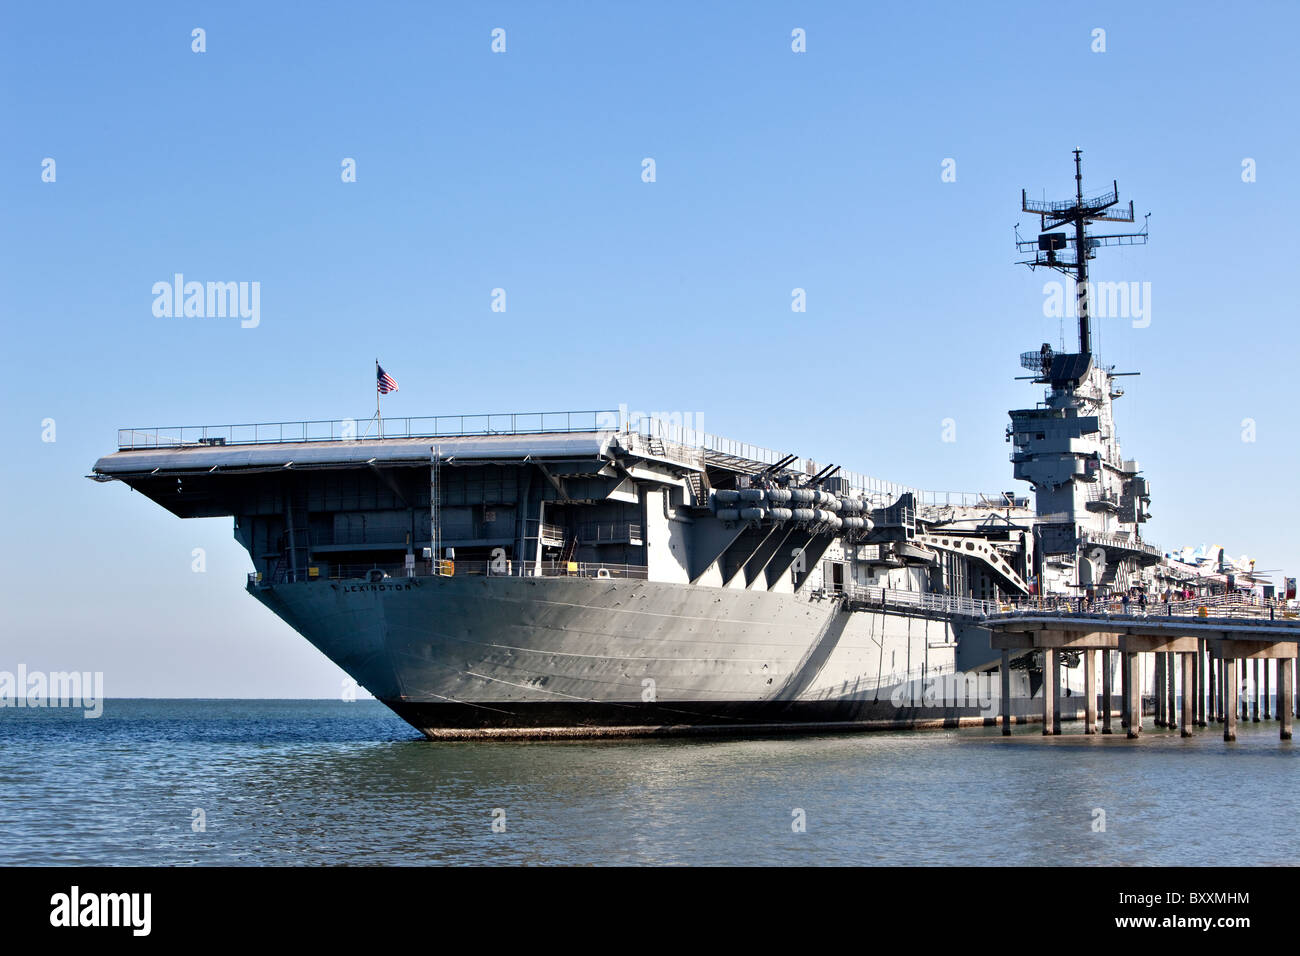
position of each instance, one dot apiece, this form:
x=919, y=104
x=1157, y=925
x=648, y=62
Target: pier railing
x=1215, y=606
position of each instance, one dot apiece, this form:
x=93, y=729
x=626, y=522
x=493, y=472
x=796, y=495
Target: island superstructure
x=1091, y=502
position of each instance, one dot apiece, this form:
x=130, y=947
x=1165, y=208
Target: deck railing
x=596, y=532
x=397, y=573
x=689, y=443
x=884, y=492
x=942, y=603
x=351, y=429
x=1109, y=539
x=1049, y=207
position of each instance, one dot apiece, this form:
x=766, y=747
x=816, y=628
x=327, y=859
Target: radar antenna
x=1048, y=249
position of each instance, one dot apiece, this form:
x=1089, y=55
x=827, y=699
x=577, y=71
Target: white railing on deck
x=688, y=441
x=942, y=603
x=1107, y=538
x=359, y=429
x=886, y=492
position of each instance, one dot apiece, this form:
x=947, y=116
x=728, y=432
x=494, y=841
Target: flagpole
x=378, y=412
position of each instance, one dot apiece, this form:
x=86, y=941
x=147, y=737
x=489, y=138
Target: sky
x=879, y=170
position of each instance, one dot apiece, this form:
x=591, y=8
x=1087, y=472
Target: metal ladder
x=699, y=488
x=297, y=530
x=570, y=548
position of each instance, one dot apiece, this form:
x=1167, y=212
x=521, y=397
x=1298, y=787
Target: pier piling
x=1132, y=667
x=1254, y=696
x=1267, y=707
x=1056, y=690
x=1123, y=691
x=1158, y=687
x=1196, y=686
x=1221, y=699
x=1286, y=667
x=1189, y=663
x=1230, y=687
x=1244, y=690
x=1089, y=692
x=1203, y=675
x=1107, y=692
x=1006, y=693
x=1171, y=690
x=1282, y=695
x=1211, y=700
x=1281, y=691
x=1051, y=688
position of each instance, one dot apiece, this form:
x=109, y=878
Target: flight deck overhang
x=210, y=480
x=567, y=443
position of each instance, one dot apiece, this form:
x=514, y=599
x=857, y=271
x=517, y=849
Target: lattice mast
x=1077, y=213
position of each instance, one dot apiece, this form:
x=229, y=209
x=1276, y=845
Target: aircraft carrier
x=599, y=573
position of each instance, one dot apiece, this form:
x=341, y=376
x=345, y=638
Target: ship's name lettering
x=347, y=588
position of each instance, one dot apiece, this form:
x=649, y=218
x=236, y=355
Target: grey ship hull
x=478, y=656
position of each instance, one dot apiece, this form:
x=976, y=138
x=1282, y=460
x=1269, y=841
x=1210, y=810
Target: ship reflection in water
x=329, y=782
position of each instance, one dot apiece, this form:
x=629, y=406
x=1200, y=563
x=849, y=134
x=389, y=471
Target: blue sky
x=522, y=171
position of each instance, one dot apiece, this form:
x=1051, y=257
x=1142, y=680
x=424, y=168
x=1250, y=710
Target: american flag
x=386, y=382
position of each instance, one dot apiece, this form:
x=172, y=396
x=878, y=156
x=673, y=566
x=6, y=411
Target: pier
x=1200, y=663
